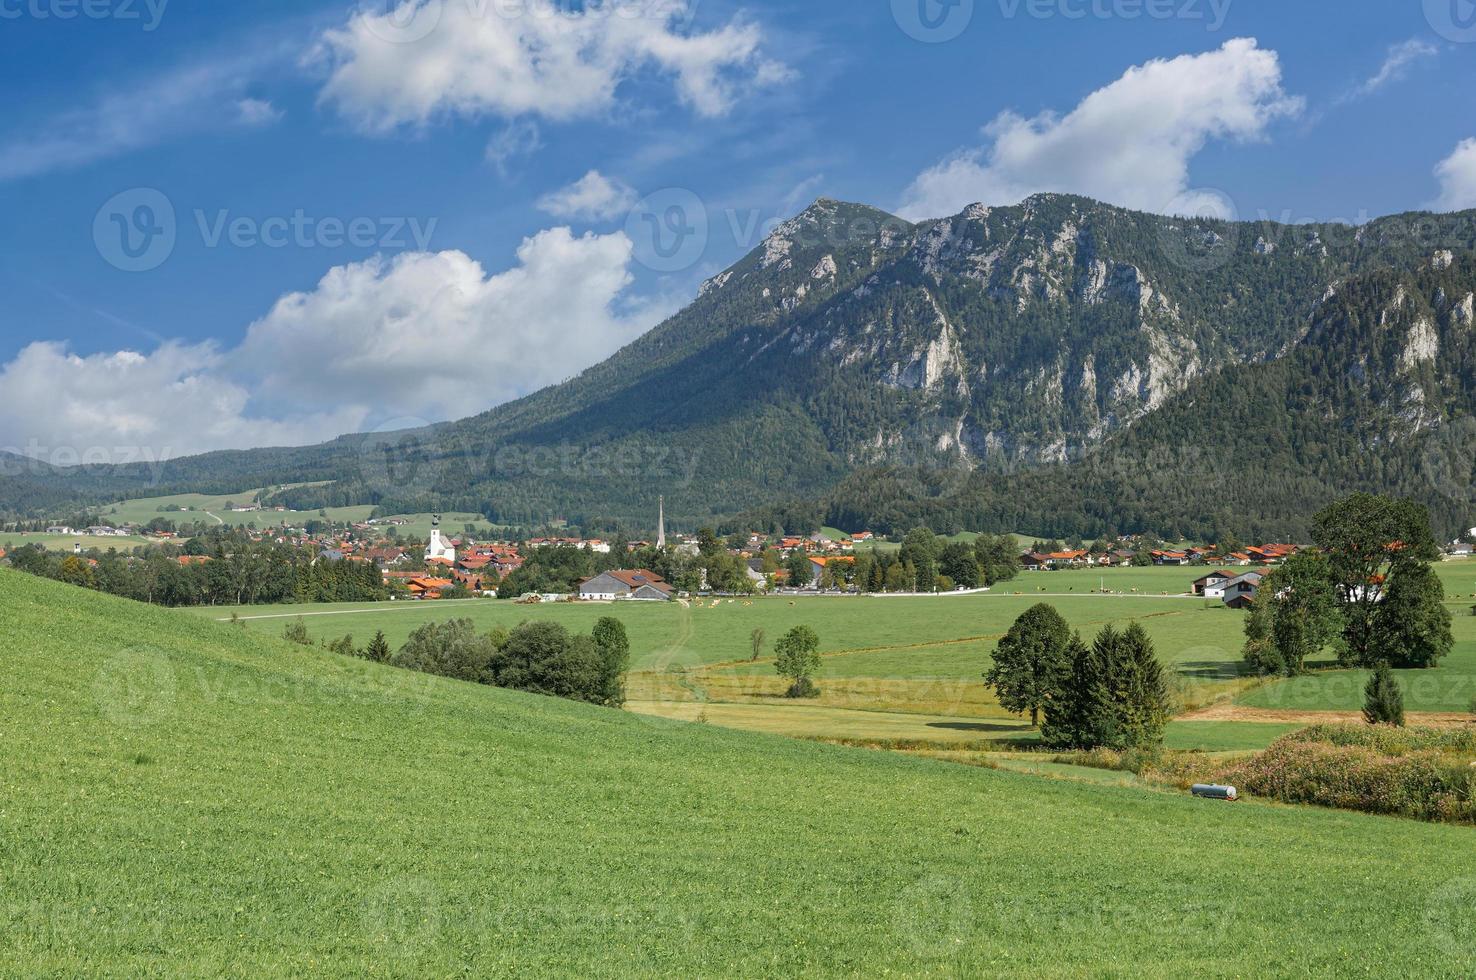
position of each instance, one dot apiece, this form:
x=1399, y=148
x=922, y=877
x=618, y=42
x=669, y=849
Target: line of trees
x=1370, y=590
x=1112, y=693
x=539, y=657
x=237, y=572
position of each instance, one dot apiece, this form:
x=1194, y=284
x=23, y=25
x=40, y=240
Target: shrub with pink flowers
x=1422, y=773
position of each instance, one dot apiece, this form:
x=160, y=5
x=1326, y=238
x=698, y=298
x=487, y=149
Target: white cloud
x=424, y=335
x=184, y=99
x=518, y=139
x=257, y=112
x=429, y=58
x=593, y=197
x=1129, y=143
x=433, y=335
x=1396, y=65
x=1457, y=176
x=133, y=407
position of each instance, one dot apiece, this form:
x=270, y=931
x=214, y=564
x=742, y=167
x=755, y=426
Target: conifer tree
x=1383, y=703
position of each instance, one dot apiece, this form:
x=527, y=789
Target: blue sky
x=385, y=216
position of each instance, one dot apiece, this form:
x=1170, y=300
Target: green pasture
x=68, y=542
x=184, y=797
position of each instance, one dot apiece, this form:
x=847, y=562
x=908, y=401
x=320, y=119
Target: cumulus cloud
x=133, y=407
x=429, y=58
x=434, y=335
x=427, y=336
x=593, y=197
x=1457, y=176
x=1129, y=143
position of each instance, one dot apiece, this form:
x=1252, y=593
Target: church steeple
x=660, y=522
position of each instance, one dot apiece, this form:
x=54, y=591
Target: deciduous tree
x=1032, y=662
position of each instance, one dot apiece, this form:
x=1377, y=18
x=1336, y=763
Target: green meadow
x=213, y=508
x=185, y=797
x=886, y=658
x=68, y=542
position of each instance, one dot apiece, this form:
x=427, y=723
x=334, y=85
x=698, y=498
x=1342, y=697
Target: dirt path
x=1238, y=712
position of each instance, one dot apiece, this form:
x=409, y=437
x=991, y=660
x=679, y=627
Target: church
x=439, y=547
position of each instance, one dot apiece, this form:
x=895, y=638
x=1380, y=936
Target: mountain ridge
x=997, y=340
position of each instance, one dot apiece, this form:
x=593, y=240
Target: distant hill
x=966, y=353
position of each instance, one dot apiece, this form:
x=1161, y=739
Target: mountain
x=1378, y=395
x=955, y=358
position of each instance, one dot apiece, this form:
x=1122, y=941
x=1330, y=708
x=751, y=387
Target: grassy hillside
x=185, y=797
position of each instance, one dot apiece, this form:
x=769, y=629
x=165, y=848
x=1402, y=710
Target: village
x=465, y=565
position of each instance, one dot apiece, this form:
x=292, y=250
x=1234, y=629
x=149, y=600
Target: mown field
x=212, y=509
x=888, y=658
x=186, y=797
x=68, y=542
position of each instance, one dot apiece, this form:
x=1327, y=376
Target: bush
x=1422, y=783
x=297, y=632
x=1391, y=741
x=543, y=658
x=802, y=688
x=451, y=649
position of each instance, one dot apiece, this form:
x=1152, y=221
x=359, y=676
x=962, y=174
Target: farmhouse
x=424, y=587
x=1236, y=592
x=1210, y=581
x=639, y=584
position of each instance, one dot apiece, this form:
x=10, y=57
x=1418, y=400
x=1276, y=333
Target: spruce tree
x=1082, y=716
x=1383, y=704
x=1144, y=702
x=378, y=650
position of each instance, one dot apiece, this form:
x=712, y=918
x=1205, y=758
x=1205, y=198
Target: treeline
x=538, y=658
x=247, y=574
